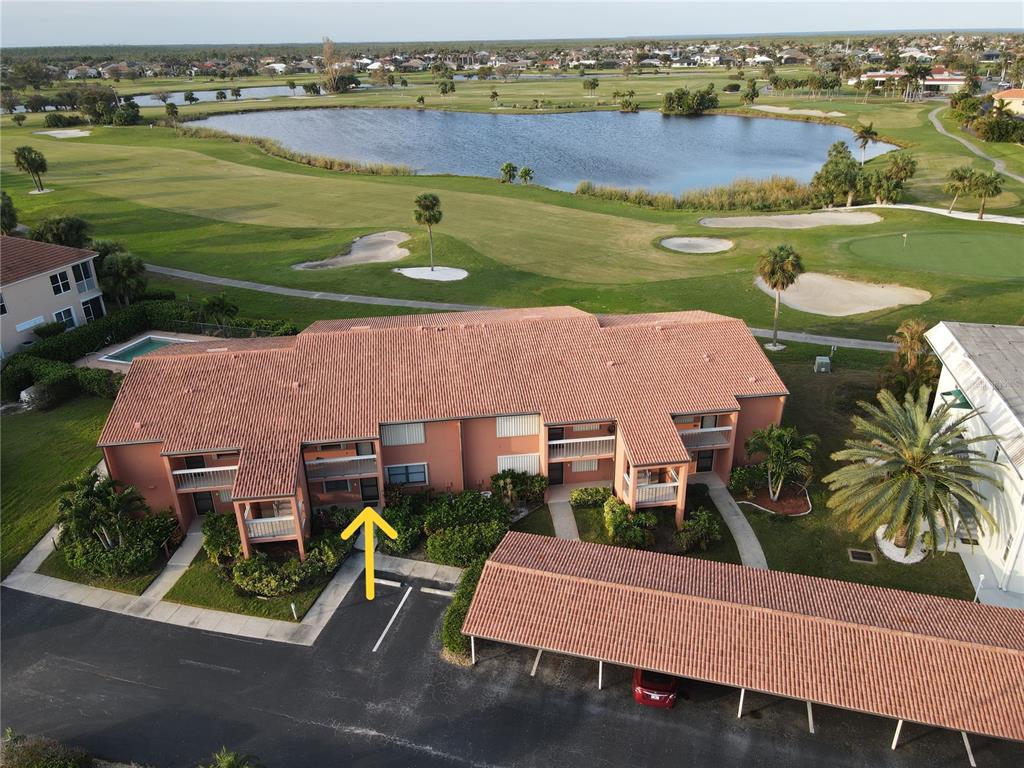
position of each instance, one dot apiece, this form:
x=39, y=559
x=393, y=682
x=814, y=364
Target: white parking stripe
x=393, y=617
x=442, y=592
x=387, y=582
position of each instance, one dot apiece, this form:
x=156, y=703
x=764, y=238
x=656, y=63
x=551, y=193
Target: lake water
x=665, y=154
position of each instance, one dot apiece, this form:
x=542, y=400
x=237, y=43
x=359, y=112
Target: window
x=518, y=426
x=706, y=422
x=368, y=490
x=407, y=474
x=195, y=462
x=60, y=283
x=586, y=428
x=520, y=462
x=402, y=434
x=84, y=280
x=705, y=461
x=331, y=447
x=225, y=456
x=225, y=496
x=330, y=486
x=586, y=465
x=1009, y=544
x=65, y=316
x=3, y=307
x=93, y=309
x=364, y=449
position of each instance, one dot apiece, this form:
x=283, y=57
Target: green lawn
x=225, y=208
x=538, y=521
x=57, y=567
x=817, y=544
x=590, y=524
x=202, y=586
x=41, y=450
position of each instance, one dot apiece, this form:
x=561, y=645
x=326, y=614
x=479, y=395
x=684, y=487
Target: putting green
x=978, y=254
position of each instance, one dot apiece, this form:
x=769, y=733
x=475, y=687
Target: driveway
x=169, y=696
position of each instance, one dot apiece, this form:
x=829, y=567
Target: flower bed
x=793, y=501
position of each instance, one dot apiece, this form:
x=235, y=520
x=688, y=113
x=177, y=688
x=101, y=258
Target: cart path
x=199, y=277
x=1000, y=165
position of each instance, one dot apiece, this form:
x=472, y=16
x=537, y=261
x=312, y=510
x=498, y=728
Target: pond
x=664, y=154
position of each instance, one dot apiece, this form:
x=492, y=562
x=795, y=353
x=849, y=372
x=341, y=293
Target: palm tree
x=1001, y=108
x=32, y=162
x=526, y=174
x=865, y=135
x=779, y=268
x=91, y=507
x=958, y=182
x=428, y=213
x=912, y=365
x=221, y=96
x=494, y=97
x=787, y=455
x=123, y=277
x=291, y=86
x=986, y=185
x=900, y=167
x=225, y=758
x=911, y=472
x=219, y=309
x=508, y=173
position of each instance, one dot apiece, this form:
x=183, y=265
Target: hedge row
x=451, y=630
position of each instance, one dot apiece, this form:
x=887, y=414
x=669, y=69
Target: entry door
x=556, y=472
x=203, y=501
x=368, y=490
x=705, y=461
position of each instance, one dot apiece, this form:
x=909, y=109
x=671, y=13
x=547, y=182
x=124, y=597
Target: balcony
x=205, y=479
x=708, y=438
x=86, y=286
x=341, y=468
x=655, y=494
x=270, y=527
x=581, y=448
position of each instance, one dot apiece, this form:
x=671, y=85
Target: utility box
x=822, y=364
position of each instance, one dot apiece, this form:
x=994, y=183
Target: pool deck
x=95, y=360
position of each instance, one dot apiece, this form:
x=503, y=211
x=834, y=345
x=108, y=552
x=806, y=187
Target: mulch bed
x=792, y=501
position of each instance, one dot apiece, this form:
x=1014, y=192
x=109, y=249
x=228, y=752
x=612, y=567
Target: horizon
x=151, y=23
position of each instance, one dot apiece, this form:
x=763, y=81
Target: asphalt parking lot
x=373, y=691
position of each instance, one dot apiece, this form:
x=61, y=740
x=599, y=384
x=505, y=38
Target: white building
x=983, y=368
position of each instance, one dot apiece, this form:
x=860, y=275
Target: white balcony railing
x=706, y=438
x=208, y=478
x=657, y=493
x=270, y=527
x=87, y=285
x=581, y=448
x=341, y=467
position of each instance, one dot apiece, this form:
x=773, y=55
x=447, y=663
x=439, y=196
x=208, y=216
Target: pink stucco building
x=270, y=429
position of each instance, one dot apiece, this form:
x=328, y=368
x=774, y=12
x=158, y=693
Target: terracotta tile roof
x=1009, y=93
x=946, y=663
x=21, y=258
x=337, y=384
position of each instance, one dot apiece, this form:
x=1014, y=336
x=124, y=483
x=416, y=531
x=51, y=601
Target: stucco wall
x=755, y=413
x=441, y=450
x=482, y=447
x=602, y=475
x=143, y=467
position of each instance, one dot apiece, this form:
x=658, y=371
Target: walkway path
x=1000, y=165
x=150, y=604
x=746, y=540
x=962, y=215
x=880, y=346
x=349, y=297
x=561, y=512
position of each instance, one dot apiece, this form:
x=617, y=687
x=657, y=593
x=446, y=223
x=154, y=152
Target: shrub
x=582, y=498
x=36, y=752
x=460, y=545
x=259, y=575
x=221, y=539
x=138, y=547
x=731, y=88
x=778, y=193
x=60, y=120
x=460, y=509
x=23, y=370
x=999, y=129
x=99, y=381
x=333, y=519
x=746, y=480
x=519, y=488
x=46, y=330
x=157, y=294
x=405, y=518
x=451, y=630
x=626, y=528
x=700, y=530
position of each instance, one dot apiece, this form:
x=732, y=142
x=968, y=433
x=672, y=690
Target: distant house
x=81, y=72
x=793, y=56
x=42, y=283
x=305, y=67
x=123, y=69
x=990, y=56
x=413, y=65
x=1014, y=98
x=276, y=67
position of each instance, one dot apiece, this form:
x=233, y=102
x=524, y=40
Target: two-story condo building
x=983, y=368
x=270, y=429
x=43, y=283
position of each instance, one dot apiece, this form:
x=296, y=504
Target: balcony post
x=298, y=528
x=175, y=501
x=680, y=495
x=243, y=529
x=632, y=488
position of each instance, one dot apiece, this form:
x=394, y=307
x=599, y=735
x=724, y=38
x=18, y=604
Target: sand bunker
x=697, y=244
x=67, y=133
x=441, y=274
x=796, y=220
x=369, y=249
x=788, y=111
x=822, y=294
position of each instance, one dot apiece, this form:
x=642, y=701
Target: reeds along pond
x=777, y=193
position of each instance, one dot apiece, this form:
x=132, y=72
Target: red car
x=653, y=689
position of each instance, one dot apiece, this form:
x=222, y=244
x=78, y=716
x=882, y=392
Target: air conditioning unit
x=822, y=364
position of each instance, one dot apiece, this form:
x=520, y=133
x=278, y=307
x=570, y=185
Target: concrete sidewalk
x=746, y=540
x=178, y=564
x=561, y=511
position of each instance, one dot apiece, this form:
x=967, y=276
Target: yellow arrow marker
x=366, y=520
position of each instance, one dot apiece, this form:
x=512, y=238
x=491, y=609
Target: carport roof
x=946, y=663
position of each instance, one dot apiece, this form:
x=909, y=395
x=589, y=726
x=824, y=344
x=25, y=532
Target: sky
x=154, y=22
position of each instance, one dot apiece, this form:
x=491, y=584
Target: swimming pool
x=141, y=347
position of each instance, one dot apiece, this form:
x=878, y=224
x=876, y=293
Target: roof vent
x=295, y=385
x=188, y=390
x=610, y=363
x=234, y=355
x=216, y=349
x=707, y=358
x=359, y=328
x=752, y=379
x=137, y=425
